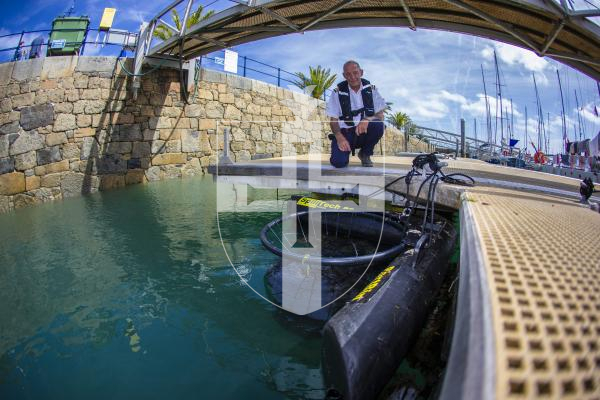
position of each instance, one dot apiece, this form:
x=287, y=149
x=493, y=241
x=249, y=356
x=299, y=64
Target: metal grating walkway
x=542, y=260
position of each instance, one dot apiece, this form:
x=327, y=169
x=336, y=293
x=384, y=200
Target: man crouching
x=356, y=117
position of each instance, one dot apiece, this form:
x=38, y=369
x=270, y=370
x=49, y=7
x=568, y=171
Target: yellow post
x=107, y=18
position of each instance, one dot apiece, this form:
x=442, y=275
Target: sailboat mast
x=512, y=120
x=508, y=133
x=488, y=117
x=563, y=117
x=526, y=124
x=540, y=117
x=499, y=88
x=578, y=114
x=548, y=136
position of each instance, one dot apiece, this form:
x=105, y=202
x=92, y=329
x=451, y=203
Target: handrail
x=25, y=32
x=46, y=43
x=243, y=65
x=62, y=30
x=166, y=10
x=66, y=43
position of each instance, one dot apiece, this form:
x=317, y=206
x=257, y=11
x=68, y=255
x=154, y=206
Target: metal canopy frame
x=546, y=27
x=409, y=16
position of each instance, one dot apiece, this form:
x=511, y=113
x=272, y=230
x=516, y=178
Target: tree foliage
x=319, y=80
x=398, y=120
x=164, y=32
x=404, y=123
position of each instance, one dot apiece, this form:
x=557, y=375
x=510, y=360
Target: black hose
x=419, y=162
x=182, y=85
x=453, y=181
x=334, y=261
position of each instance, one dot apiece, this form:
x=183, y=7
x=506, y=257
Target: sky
x=433, y=76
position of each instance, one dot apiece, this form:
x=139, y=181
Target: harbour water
x=128, y=294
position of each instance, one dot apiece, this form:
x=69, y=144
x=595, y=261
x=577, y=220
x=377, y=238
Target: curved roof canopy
x=546, y=27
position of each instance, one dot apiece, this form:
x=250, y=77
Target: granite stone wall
x=70, y=126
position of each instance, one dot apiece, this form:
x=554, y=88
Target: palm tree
x=404, y=123
x=319, y=80
x=399, y=120
x=164, y=32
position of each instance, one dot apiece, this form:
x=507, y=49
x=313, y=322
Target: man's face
x=353, y=74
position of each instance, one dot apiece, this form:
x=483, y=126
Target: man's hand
x=342, y=142
x=362, y=127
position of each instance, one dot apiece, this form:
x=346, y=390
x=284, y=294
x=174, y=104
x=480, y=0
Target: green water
x=128, y=294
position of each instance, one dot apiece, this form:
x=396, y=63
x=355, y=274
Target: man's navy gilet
x=368, y=110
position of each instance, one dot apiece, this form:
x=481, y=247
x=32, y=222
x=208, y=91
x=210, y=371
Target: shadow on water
x=128, y=293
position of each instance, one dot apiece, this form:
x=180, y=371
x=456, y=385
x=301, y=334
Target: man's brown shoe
x=365, y=160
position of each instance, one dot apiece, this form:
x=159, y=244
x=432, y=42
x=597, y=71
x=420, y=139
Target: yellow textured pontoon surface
x=542, y=258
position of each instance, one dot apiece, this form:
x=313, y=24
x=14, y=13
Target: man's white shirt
x=334, y=109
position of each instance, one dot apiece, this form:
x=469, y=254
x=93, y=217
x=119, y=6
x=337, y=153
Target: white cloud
x=519, y=58
x=487, y=53
x=515, y=55
x=477, y=108
x=541, y=79
x=588, y=113
x=400, y=92
x=453, y=97
x=433, y=106
x=135, y=15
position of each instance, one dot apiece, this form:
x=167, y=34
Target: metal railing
x=22, y=51
x=247, y=66
x=275, y=75
x=455, y=141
